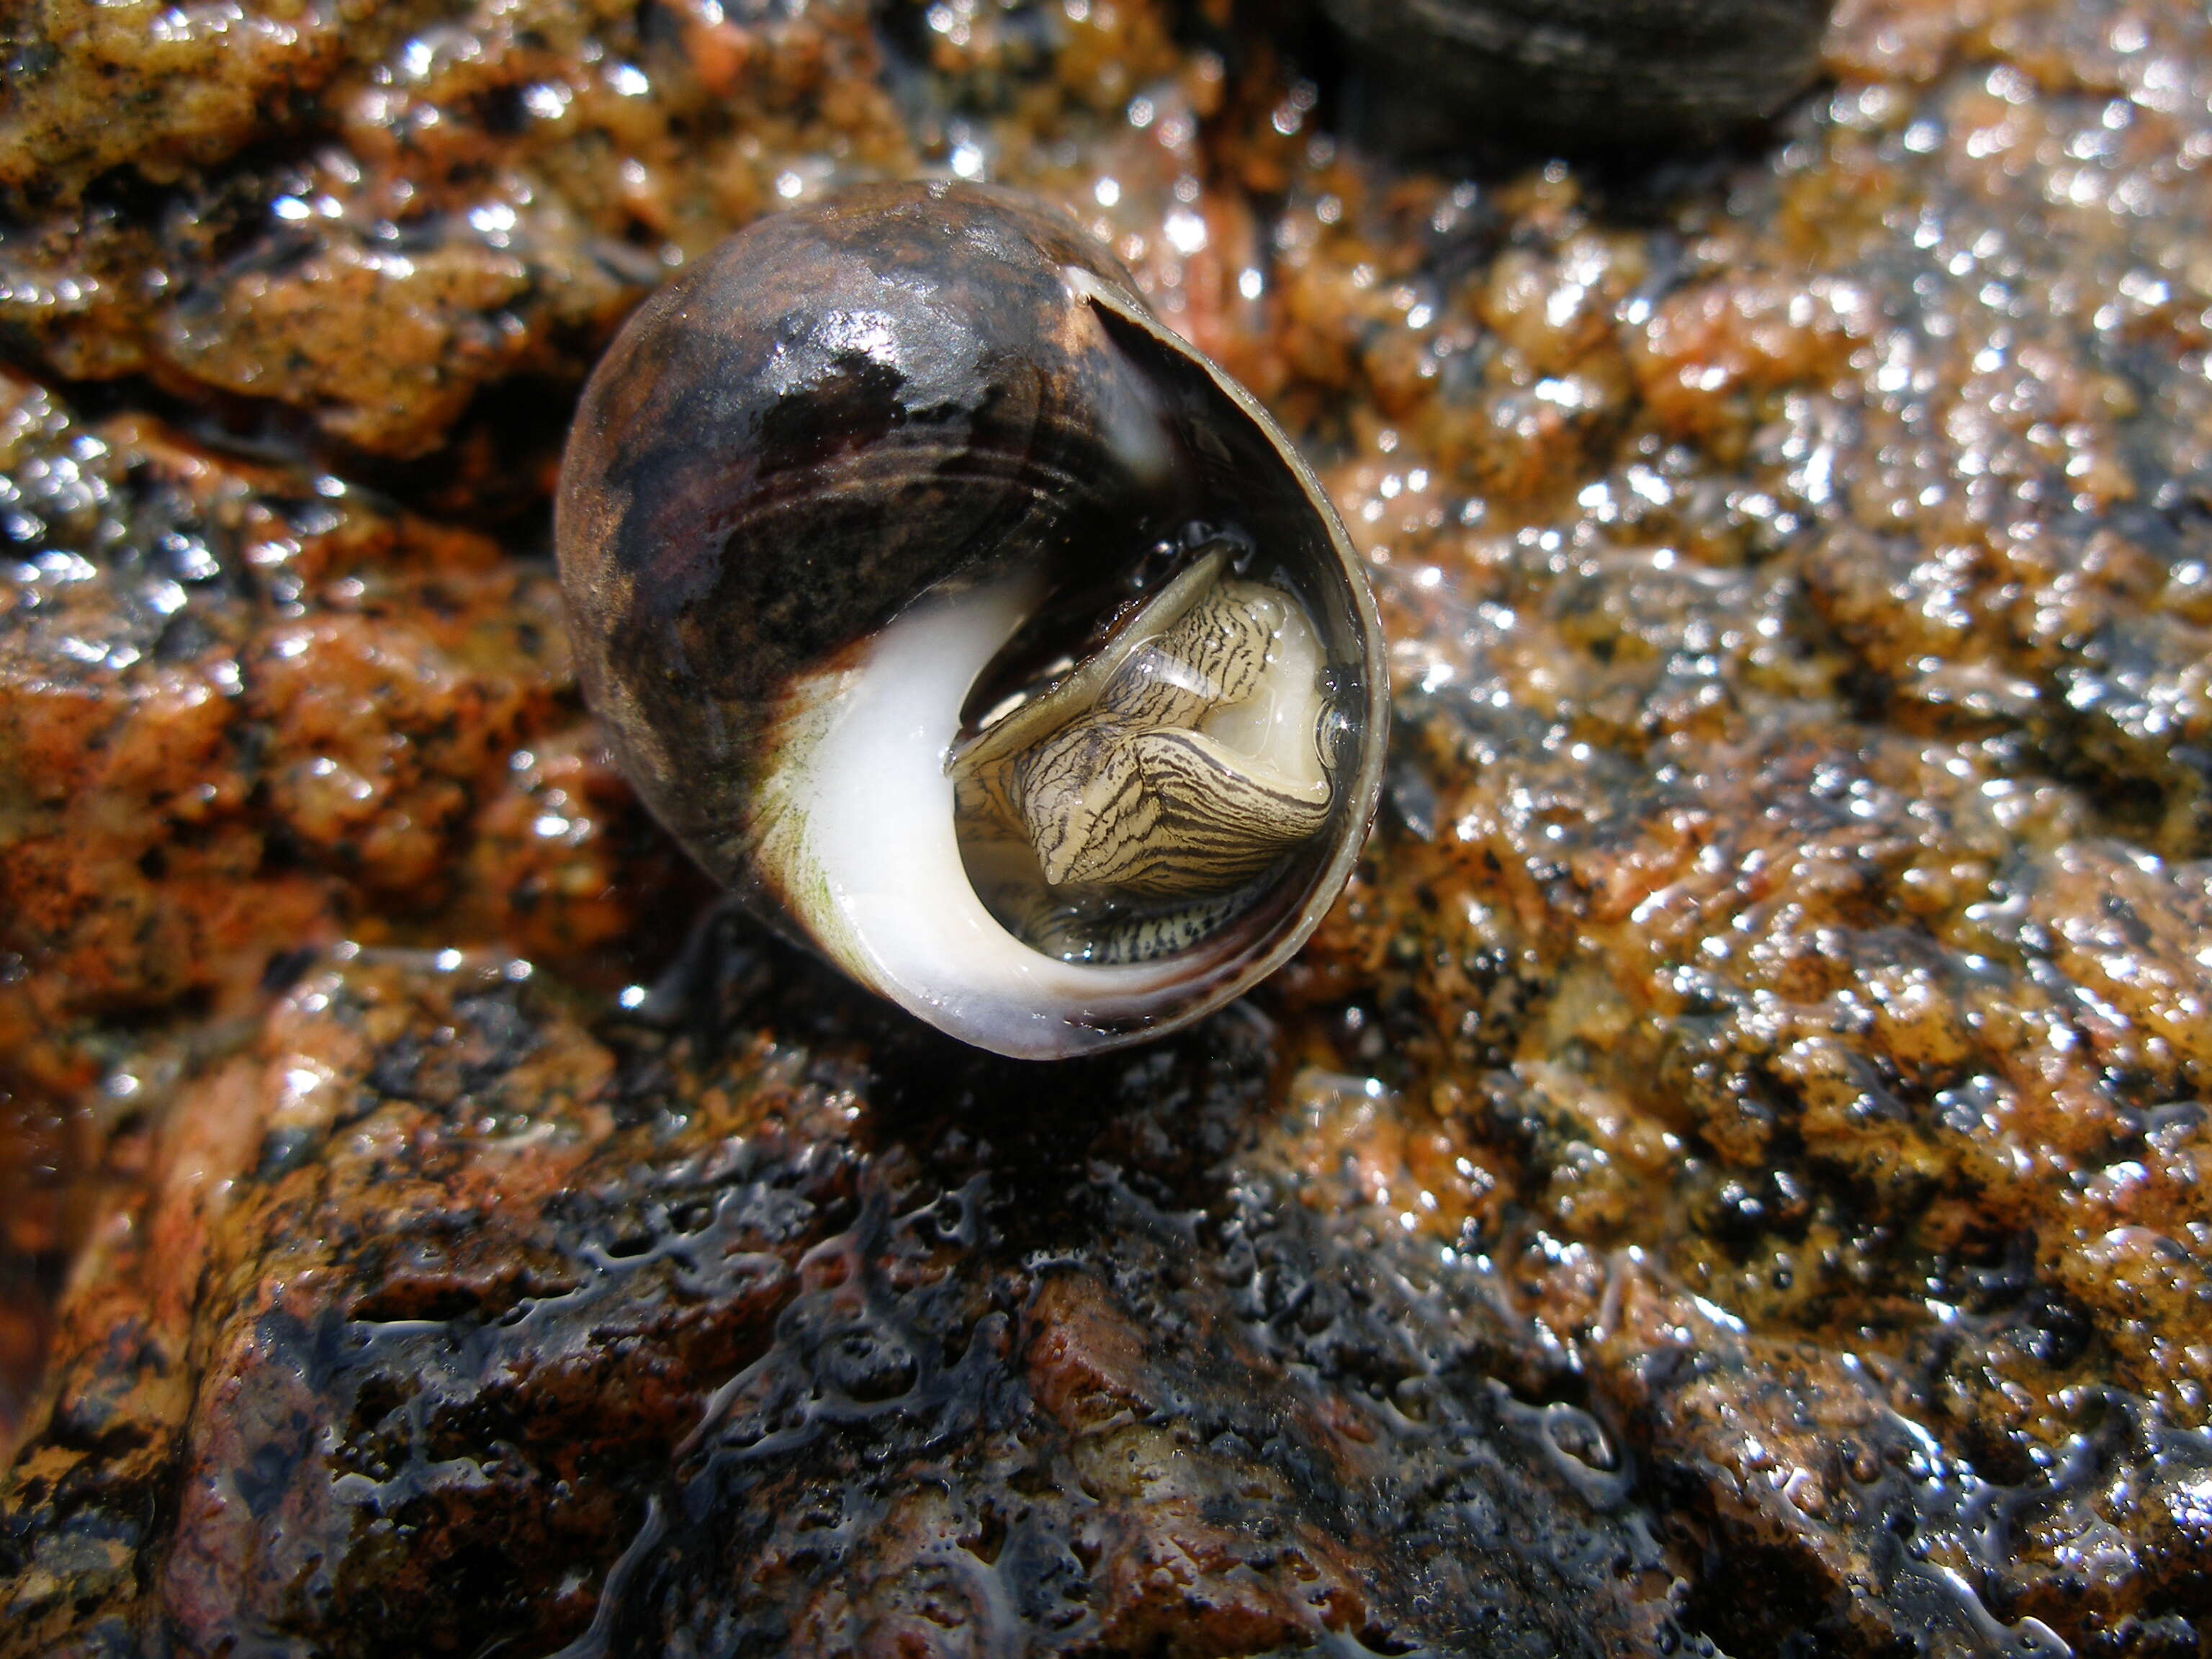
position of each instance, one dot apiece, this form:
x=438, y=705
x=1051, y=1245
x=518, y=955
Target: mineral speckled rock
x=1731, y=1172
x=242, y=706
x=450, y=201
x=436, y=1294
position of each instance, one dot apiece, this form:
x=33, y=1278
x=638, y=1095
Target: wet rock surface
x=844, y=1363
x=1728, y=1177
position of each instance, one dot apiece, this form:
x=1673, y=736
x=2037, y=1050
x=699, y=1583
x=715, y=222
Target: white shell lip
x=860, y=833
x=855, y=827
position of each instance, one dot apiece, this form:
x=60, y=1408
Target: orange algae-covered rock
x=190, y=796
x=1745, y=1124
x=273, y=710
x=462, y=199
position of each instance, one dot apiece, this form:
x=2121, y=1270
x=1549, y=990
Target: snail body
x=968, y=623
x=1593, y=72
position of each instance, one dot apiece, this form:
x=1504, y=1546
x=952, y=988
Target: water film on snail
x=970, y=624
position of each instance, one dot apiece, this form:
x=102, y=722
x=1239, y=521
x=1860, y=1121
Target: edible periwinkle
x=1587, y=72
x=970, y=624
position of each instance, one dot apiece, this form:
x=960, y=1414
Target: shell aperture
x=1182, y=763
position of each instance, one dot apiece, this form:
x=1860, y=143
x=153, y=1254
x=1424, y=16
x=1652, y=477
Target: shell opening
x=1131, y=803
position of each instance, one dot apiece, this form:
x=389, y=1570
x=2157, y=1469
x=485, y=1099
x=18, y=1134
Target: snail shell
x=1594, y=71
x=970, y=624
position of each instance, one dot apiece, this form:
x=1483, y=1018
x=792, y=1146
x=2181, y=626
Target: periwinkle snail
x=969, y=623
x=1589, y=72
